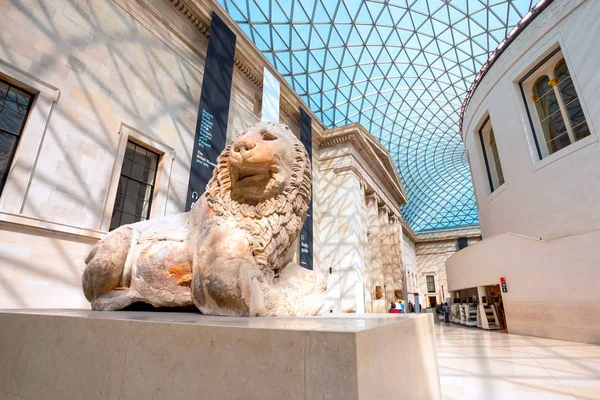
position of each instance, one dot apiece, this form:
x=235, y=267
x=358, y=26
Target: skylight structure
x=401, y=68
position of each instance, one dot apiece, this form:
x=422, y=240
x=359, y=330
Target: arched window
x=548, y=110
x=556, y=104
x=491, y=156
x=571, y=101
x=496, y=158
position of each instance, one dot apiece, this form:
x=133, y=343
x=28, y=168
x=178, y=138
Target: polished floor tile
x=491, y=365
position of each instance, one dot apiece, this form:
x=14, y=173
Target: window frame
x=16, y=185
x=432, y=283
x=493, y=173
x=130, y=177
x=546, y=66
x=160, y=194
x=19, y=136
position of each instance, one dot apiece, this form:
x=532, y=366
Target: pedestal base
x=73, y=354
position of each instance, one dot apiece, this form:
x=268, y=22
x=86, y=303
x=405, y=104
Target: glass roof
x=399, y=67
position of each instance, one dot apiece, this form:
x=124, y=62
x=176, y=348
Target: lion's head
x=263, y=182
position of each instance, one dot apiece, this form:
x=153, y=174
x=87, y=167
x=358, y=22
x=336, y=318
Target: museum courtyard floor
x=478, y=364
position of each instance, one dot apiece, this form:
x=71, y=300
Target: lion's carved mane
x=272, y=225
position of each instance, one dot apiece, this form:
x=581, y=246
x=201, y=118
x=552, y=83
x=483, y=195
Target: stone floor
x=490, y=365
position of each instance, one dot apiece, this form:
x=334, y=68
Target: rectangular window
x=490, y=155
x=553, y=107
x=136, y=186
x=14, y=107
x=430, y=284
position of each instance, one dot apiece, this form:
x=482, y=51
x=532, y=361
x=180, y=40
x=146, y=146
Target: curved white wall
x=552, y=282
x=552, y=285
x=559, y=195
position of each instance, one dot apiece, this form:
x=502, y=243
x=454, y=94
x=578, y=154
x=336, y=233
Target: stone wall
x=552, y=284
x=432, y=251
x=409, y=260
x=105, y=71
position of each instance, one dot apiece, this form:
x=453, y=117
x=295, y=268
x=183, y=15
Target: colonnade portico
x=360, y=194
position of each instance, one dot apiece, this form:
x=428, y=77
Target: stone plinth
x=76, y=354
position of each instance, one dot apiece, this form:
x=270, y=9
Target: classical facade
x=105, y=101
x=358, y=209
x=535, y=170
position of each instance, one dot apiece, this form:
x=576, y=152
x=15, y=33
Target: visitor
x=393, y=309
x=400, y=306
x=446, y=312
x=411, y=307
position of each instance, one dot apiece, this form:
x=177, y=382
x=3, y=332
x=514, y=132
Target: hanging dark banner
x=213, y=112
x=306, y=233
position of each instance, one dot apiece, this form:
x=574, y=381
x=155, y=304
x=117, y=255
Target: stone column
x=352, y=233
x=376, y=259
x=406, y=276
x=385, y=237
x=405, y=280
x=327, y=226
x=396, y=252
x=369, y=288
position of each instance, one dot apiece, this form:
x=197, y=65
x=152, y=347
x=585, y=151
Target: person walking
x=446, y=312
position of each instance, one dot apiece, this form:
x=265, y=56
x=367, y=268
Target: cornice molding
x=348, y=169
x=408, y=232
x=332, y=141
x=248, y=60
x=377, y=158
x=196, y=20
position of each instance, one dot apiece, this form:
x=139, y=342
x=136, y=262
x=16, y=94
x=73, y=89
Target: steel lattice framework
x=399, y=67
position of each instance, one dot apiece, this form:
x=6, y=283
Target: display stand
x=455, y=313
x=471, y=315
x=488, y=317
x=468, y=315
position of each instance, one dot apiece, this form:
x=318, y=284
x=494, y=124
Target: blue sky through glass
x=401, y=68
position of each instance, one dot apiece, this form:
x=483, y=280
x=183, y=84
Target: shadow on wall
x=41, y=269
x=114, y=76
x=431, y=260
x=110, y=70
x=338, y=245
x=552, y=285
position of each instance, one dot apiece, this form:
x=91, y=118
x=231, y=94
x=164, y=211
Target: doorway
x=496, y=300
x=432, y=301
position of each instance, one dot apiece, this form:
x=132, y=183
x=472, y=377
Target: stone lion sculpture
x=231, y=254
